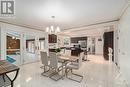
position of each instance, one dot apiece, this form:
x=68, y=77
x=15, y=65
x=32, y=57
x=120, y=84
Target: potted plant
x=57, y=50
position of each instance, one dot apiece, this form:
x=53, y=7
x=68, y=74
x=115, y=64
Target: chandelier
x=53, y=29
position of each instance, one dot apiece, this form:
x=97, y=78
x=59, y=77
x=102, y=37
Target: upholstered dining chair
x=45, y=62
x=55, y=66
x=74, y=66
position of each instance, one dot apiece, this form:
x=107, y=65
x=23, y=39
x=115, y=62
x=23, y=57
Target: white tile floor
x=30, y=57
x=96, y=72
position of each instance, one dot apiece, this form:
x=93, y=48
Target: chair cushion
x=72, y=66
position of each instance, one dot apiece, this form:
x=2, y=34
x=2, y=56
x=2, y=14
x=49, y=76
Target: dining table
x=5, y=69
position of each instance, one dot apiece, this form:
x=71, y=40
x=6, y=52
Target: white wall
x=2, y=43
x=116, y=31
x=124, y=44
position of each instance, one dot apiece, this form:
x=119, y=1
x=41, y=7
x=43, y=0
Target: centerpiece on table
x=57, y=50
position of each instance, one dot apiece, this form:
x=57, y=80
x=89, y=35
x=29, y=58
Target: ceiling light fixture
x=53, y=29
x=13, y=37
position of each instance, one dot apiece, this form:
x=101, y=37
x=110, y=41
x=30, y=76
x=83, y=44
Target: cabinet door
x=49, y=38
x=52, y=38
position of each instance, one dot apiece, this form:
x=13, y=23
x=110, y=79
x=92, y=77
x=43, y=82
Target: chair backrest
x=44, y=58
x=53, y=60
x=80, y=59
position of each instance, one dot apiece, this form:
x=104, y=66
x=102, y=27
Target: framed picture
x=66, y=41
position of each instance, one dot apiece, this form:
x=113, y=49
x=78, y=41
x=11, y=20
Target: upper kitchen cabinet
x=77, y=39
x=52, y=38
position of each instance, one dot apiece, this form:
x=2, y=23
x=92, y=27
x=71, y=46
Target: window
x=41, y=45
x=31, y=46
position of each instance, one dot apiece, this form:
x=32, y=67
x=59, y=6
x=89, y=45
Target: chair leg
x=66, y=72
x=75, y=75
x=45, y=71
x=79, y=76
x=55, y=73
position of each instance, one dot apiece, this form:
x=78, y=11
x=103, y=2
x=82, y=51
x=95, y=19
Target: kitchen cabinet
x=77, y=39
x=52, y=38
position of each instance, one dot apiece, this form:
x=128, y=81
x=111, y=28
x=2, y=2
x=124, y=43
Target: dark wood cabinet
x=76, y=39
x=76, y=52
x=52, y=38
x=52, y=50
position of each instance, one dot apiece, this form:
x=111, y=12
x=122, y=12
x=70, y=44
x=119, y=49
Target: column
x=2, y=43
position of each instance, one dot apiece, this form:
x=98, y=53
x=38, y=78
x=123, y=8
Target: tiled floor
x=30, y=57
x=96, y=72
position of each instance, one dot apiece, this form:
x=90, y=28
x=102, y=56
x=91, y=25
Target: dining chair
x=74, y=66
x=45, y=62
x=55, y=66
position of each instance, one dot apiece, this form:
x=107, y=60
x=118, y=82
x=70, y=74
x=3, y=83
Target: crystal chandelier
x=53, y=29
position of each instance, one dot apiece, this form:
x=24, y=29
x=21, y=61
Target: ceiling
x=95, y=30
x=69, y=13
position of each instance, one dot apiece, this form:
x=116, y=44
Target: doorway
x=108, y=42
x=30, y=46
x=33, y=45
